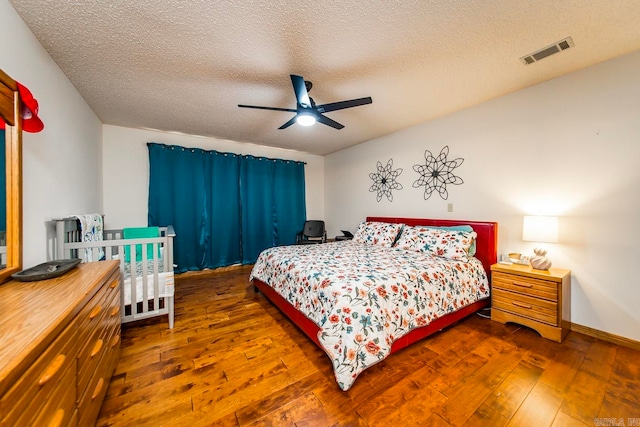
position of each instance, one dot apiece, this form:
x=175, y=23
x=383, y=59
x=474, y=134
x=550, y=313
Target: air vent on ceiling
x=547, y=51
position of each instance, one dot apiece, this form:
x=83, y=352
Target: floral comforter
x=364, y=297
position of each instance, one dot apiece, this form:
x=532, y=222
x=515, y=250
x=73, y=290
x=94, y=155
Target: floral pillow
x=377, y=233
x=472, y=249
x=446, y=243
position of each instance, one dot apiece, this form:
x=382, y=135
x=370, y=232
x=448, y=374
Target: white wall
x=567, y=147
x=62, y=165
x=570, y=146
x=126, y=171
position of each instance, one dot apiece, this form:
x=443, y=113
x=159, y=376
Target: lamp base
x=540, y=261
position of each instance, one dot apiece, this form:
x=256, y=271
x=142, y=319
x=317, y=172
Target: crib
x=146, y=266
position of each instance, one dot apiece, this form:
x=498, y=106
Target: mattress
x=165, y=282
x=363, y=297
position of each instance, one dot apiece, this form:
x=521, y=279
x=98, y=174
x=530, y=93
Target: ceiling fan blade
x=325, y=108
x=289, y=123
x=267, y=108
x=329, y=122
x=302, y=96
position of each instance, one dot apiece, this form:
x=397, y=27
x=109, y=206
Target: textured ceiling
x=183, y=66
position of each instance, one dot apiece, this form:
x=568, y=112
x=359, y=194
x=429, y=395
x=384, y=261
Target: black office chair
x=313, y=232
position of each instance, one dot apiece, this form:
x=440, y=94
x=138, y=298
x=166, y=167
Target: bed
x=364, y=299
x=146, y=265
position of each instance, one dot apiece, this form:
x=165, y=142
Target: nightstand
x=539, y=299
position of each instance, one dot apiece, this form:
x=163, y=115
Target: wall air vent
x=536, y=56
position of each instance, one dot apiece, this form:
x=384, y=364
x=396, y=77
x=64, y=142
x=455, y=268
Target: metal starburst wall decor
x=436, y=173
x=384, y=180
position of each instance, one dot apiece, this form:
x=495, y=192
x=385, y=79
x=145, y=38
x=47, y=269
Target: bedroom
x=577, y=133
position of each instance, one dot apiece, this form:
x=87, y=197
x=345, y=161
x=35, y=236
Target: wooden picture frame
x=10, y=112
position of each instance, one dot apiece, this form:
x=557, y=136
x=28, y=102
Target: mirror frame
x=10, y=112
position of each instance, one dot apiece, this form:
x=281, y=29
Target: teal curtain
x=273, y=204
x=222, y=246
x=289, y=201
x=177, y=197
x=258, y=210
x=225, y=208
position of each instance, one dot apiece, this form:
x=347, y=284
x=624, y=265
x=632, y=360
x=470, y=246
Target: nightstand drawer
x=525, y=285
x=522, y=305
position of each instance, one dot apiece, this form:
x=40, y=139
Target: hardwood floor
x=234, y=359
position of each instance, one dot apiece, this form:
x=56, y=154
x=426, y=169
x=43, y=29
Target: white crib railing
x=147, y=287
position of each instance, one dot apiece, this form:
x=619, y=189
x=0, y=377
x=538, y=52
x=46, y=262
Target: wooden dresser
x=539, y=299
x=59, y=345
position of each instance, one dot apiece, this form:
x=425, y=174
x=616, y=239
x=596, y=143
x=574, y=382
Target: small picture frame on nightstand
x=504, y=259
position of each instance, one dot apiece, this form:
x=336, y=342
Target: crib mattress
x=165, y=287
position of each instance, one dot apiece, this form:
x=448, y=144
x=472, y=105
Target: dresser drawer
x=523, y=305
x=92, y=314
x=37, y=384
x=45, y=327
x=58, y=410
x=73, y=422
x=99, y=341
x=91, y=400
x=525, y=285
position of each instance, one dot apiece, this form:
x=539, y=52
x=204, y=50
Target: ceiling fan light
x=306, y=119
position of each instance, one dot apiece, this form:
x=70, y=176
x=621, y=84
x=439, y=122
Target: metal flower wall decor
x=384, y=180
x=436, y=173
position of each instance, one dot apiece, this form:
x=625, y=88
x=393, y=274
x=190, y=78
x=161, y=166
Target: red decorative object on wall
x=30, y=120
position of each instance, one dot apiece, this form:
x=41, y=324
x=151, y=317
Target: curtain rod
x=192, y=149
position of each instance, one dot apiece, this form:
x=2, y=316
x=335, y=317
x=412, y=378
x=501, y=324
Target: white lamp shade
x=540, y=229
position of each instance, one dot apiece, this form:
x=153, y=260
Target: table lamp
x=541, y=229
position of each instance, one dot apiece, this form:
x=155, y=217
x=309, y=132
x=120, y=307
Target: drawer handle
x=96, y=391
x=523, y=285
x=52, y=369
x=115, y=310
x=96, y=348
x=57, y=418
x=521, y=305
x=114, y=284
x=116, y=340
x=96, y=310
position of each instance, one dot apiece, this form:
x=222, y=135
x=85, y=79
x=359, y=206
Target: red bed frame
x=486, y=252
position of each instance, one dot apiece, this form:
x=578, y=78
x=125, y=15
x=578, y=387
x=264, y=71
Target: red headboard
x=486, y=243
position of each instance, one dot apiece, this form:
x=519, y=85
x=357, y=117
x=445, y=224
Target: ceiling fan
x=307, y=112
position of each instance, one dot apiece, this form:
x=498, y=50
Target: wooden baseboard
x=606, y=336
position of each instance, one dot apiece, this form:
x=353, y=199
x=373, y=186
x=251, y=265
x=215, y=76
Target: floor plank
x=539, y=408
x=508, y=396
x=233, y=359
